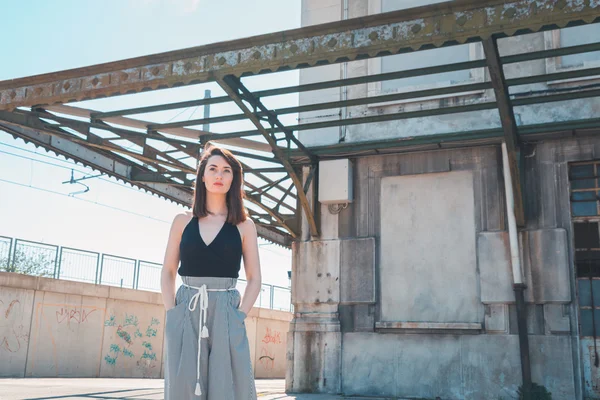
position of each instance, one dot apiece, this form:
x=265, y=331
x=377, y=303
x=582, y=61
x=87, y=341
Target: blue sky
x=50, y=36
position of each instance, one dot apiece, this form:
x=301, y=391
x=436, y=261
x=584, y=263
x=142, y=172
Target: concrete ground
x=132, y=389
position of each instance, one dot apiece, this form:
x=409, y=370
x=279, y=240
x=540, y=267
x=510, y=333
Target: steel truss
x=161, y=157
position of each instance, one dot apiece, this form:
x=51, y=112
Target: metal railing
x=58, y=262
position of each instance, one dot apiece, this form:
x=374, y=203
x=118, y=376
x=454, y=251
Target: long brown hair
x=236, y=212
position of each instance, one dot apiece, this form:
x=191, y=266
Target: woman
x=207, y=352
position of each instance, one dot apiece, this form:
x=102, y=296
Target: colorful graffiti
x=13, y=337
x=133, y=341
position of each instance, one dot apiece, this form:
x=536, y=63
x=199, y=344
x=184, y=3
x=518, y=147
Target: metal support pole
x=518, y=285
x=519, y=289
x=101, y=266
x=10, y=252
x=97, y=277
x=57, y=262
x=136, y=274
x=206, y=126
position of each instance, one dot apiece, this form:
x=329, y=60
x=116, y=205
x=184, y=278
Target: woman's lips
x=217, y=184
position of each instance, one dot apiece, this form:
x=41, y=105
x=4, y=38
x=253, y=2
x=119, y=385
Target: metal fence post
x=9, y=253
x=136, y=274
x=57, y=262
x=100, y=275
x=272, y=297
x=97, y=268
x=14, y=255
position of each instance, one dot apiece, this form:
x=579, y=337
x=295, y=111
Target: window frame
x=374, y=66
x=554, y=64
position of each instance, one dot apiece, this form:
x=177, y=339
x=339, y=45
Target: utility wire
x=60, y=166
x=84, y=200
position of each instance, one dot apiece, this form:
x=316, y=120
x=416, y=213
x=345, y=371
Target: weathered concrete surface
x=314, y=360
x=142, y=389
x=314, y=339
x=496, y=318
x=453, y=367
x=269, y=343
x=316, y=274
x=546, y=265
x=57, y=328
x=132, y=343
x=427, y=246
x=15, y=320
x=357, y=267
x=495, y=271
x=66, y=335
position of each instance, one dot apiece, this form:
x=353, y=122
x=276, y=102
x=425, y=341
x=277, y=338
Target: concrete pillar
x=315, y=339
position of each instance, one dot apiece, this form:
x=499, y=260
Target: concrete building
x=409, y=290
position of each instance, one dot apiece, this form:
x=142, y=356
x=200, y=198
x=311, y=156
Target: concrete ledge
x=441, y=327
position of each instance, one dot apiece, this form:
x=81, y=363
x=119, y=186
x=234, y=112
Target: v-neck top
x=221, y=258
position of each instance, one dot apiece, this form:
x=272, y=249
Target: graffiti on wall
x=269, y=343
x=52, y=321
x=13, y=336
x=70, y=315
x=133, y=341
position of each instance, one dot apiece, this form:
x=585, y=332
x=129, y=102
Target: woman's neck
x=216, y=204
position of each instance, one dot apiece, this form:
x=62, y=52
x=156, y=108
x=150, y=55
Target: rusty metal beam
x=126, y=171
x=434, y=25
x=509, y=125
x=238, y=93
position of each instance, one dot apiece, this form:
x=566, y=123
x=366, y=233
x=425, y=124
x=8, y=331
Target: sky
x=113, y=217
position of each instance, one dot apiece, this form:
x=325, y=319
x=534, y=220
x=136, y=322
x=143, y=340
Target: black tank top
x=221, y=258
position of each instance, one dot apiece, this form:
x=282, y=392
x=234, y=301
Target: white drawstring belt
x=202, y=297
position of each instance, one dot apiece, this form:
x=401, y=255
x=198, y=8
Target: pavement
x=132, y=389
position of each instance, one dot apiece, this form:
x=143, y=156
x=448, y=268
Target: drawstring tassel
x=202, y=297
x=204, y=332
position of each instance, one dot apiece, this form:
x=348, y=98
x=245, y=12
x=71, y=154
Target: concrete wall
x=57, y=328
x=354, y=332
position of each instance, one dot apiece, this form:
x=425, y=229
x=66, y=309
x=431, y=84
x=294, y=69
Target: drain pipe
x=519, y=285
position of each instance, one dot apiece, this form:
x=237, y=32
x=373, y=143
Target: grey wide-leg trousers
x=225, y=370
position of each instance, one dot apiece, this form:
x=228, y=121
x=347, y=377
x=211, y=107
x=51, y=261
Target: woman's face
x=218, y=175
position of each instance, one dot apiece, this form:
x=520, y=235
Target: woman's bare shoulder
x=247, y=224
x=182, y=219
x=247, y=228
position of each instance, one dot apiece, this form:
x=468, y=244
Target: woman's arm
x=251, y=265
x=171, y=261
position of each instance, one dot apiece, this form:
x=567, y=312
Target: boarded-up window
x=428, y=270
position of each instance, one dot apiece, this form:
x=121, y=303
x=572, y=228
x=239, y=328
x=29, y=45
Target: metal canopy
x=160, y=156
